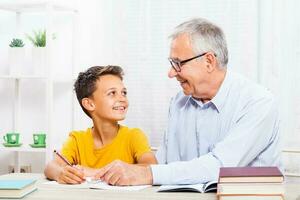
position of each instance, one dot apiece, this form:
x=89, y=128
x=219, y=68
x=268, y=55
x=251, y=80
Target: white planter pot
x=39, y=61
x=16, y=58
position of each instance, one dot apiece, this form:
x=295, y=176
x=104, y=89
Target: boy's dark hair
x=85, y=84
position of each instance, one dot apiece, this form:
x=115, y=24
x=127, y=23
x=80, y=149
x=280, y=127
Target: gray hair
x=204, y=36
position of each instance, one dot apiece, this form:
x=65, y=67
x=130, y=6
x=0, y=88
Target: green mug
x=11, y=138
x=39, y=138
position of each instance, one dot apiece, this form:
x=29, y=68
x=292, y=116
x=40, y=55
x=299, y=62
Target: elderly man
x=220, y=119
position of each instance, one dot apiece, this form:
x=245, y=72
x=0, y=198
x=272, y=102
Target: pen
x=65, y=160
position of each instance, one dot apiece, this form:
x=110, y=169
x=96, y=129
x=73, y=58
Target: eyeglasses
x=177, y=64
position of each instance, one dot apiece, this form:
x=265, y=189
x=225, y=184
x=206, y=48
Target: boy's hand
x=70, y=175
x=87, y=171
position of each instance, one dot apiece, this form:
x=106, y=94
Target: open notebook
x=202, y=188
x=95, y=185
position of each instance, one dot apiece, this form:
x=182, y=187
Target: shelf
x=55, y=79
x=49, y=9
x=154, y=149
x=292, y=174
x=22, y=77
x=23, y=148
x=62, y=79
x=34, y=6
x=290, y=150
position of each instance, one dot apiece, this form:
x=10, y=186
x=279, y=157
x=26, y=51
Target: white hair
x=204, y=36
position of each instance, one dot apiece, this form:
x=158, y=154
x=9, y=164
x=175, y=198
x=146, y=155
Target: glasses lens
x=175, y=65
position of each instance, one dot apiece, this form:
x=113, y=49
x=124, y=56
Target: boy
x=102, y=96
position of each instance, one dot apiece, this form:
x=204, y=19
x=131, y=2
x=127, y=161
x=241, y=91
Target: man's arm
x=254, y=131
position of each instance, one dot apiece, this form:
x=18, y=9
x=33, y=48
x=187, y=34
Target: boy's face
x=110, y=98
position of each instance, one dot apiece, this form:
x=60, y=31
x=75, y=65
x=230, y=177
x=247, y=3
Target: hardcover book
x=16, y=188
x=250, y=174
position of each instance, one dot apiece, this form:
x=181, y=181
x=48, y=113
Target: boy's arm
x=61, y=172
x=141, y=149
x=147, y=158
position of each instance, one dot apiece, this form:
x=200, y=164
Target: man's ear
x=88, y=104
x=211, y=62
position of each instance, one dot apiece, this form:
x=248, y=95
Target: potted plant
x=38, y=39
x=16, y=43
x=16, y=56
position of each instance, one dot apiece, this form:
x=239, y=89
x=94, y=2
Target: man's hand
x=120, y=173
x=70, y=175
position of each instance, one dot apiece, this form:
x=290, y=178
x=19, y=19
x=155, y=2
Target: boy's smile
x=120, y=108
x=110, y=98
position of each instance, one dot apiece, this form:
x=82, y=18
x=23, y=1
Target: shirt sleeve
x=252, y=133
x=139, y=144
x=69, y=149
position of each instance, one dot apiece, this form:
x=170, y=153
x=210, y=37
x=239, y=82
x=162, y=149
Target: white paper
x=178, y=188
x=96, y=185
x=75, y=186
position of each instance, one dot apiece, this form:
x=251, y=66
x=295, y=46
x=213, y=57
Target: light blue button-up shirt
x=238, y=127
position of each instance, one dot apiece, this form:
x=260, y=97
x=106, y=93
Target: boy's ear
x=88, y=104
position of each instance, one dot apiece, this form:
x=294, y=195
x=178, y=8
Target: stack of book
x=16, y=188
x=250, y=183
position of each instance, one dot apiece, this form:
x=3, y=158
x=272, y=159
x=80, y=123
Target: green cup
x=11, y=138
x=39, y=138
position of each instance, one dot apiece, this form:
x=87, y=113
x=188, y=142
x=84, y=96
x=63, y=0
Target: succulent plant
x=38, y=39
x=16, y=43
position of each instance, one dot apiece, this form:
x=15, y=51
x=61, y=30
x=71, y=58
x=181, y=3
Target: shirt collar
x=220, y=98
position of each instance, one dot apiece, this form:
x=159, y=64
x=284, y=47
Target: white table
x=292, y=188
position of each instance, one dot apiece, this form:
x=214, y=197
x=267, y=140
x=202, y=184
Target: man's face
x=192, y=74
x=110, y=98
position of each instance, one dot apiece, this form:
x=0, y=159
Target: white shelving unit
x=48, y=8
x=292, y=151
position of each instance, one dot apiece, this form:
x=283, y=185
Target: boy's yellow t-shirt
x=128, y=146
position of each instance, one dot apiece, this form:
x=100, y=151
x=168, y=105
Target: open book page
x=95, y=185
x=207, y=187
x=211, y=186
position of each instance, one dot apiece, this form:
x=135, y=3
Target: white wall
x=262, y=36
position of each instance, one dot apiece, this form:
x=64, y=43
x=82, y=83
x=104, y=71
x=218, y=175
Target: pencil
x=65, y=160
